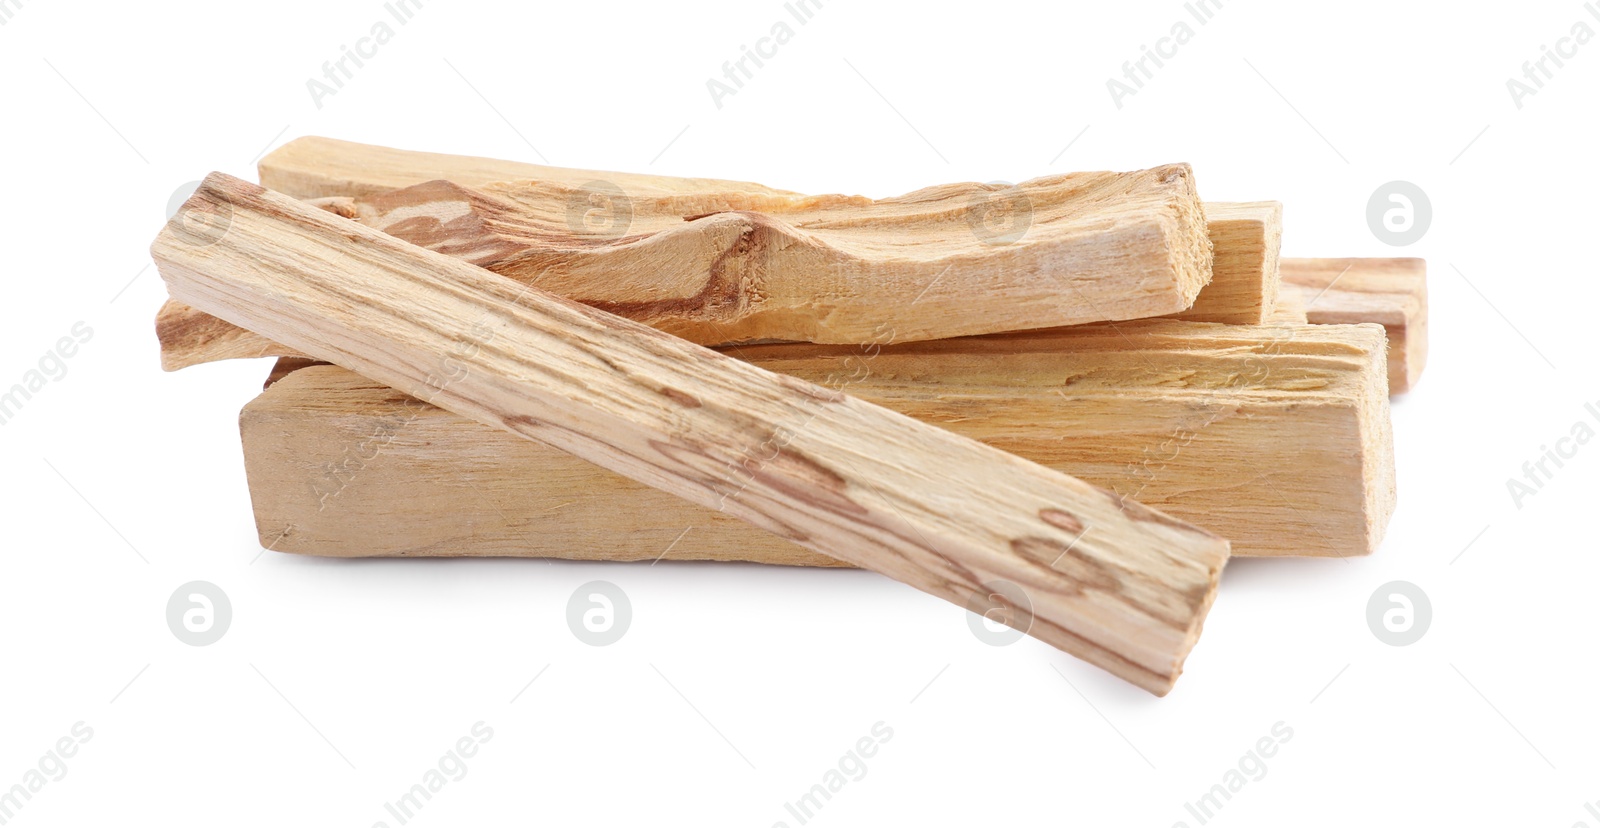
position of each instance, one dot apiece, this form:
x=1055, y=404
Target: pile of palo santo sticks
x=1068, y=397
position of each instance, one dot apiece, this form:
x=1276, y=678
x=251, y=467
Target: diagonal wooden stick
x=1110, y=581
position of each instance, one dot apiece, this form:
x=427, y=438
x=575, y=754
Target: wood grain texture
x=1246, y=237
x=1277, y=439
x=1389, y=292
x=189, y=336
x=1244, y=273
x=1244, y=270
x=723, y=267
x=1111, y=581
x=720, y=267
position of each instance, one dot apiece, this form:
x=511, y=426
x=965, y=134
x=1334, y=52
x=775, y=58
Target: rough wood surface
x=724, y=267
x=1390, y=292
x=1246, y=237
x=1278, y=440
x=1109, y=580
x=1244, y=281
x=721, y=267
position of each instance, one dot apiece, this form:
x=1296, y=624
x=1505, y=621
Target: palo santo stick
x=1278, y=440
x=1244, y=272
x=1246, y=234
x=1391, y=292
x=358, y=180
x=363, y=177
x=1113, y=582
x=726, y=267
x=1244, y=282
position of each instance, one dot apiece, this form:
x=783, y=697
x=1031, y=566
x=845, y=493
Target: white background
x=340, y=683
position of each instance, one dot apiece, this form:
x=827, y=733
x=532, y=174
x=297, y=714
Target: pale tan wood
x=1290, y=309
x=1244, y=282
x=284, y=366
x=726, y=267
x=359, y=180
x=1246, y=237
x=720, y=267
x=1109, y=580
x=189, y=336
x=1278, y=440
x=1390, y=292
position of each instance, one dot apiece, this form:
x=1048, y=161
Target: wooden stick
x=358, y=180
x=1246, y=235
x=1390, y=292
x=1278, y=440
x=725, y=267
x=1243, y=288
x=1244, y=273
x=506, y=227
x=1113, y=582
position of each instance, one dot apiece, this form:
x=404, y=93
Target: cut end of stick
x=1202, y=594
x=1245, y=238
x=1188, y=236
x=1192, y=637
